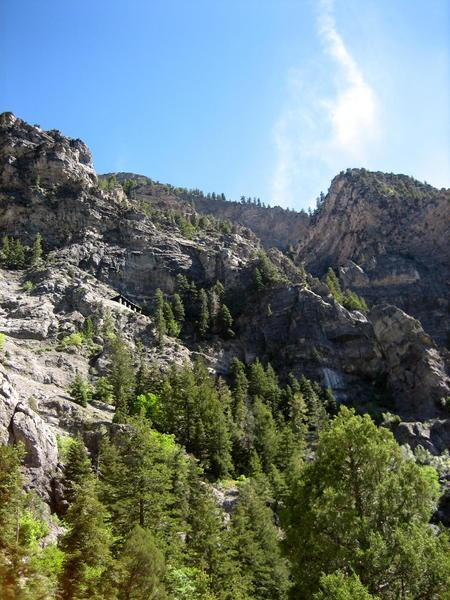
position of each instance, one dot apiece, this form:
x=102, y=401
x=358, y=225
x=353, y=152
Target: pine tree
x=36, y=251
x=122, y=377
x=226, y=321
x=77, y=468
x=104, y=391
x=136, y=481
x=141, y=567
x=266, y=436
x=242, y=432
x=80, y=391
x=203, y=323
x=178, y=308
x=254, y=547
x=160, y=321
x=88, y=565
x=258, y=282
x=88, y=328
x=205, y=523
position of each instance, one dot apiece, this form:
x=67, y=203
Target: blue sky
x=267, y=98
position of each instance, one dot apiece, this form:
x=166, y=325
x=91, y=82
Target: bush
x=75, y=339
x=2, y=340
x=81, y=391
x=28, y=286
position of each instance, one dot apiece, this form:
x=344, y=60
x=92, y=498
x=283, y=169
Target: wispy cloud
x=317, y=129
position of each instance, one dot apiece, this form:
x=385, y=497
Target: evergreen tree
x=88, y=328
x=122, y=377
x=141, y=567
x=80, y=391
x=136, y=475
x=225, y=321
x=266, y=438
x=88, y=565
x=77, y=468
x=258, y=282
x=160, y=321
x=205, y=522
x=104, y=391
x=243, y=426
x=178, y=308
x=203, y=323
x=18, y=253
x=36, y=250
x=255, y=550
x=362, y=506
x=317, y=415
x=172, y=326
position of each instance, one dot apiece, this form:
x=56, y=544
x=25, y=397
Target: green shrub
x=75, y=339
x=81, y=391
x=2, y=340
x=28, y=286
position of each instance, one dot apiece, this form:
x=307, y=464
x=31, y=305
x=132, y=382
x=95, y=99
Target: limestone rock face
x=301, y=332
x=19, y=423
x=388, y=236
x=417, y=371
x=38, y=157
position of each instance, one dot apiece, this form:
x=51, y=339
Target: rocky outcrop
x=274, y=226
x=416, y=370
x=300, y=331
x=41, y=157
x=20, y=424
x=388, y=236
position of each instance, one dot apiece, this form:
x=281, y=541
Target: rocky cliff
x=129, y=234
x=388, y=237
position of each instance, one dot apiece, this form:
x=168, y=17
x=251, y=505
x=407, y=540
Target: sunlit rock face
x=388, y=237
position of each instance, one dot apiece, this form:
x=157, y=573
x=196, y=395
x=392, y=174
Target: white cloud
x=316, y=129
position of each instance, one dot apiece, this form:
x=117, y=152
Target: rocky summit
x=353, y=298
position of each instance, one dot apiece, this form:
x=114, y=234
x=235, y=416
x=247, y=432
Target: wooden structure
x=127, y=302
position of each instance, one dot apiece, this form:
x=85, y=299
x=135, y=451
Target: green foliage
x=80, y=391
x=362, y=506
x=141, y=567
x=203, y=322
x=160, y=321
x=89, y=329
x=75, y=340
x=259, y=570
x=225, y=321
x=122, y=377
x=339, y=586
x=178, y=309
x=36, y=250
x=265, y=273
x=26, y=569
x=2, y=340
x=147, y=405
x=348, y=299
x=194, y=412
x=104, y=391
x=77, y=467
x=14, y=255
x=28, y=286
x=88, y=562
x=138, y=472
